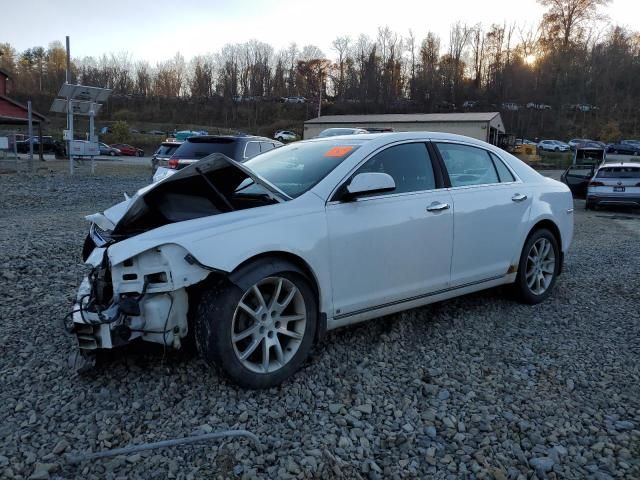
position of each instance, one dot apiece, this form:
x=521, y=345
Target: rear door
x=491, y=211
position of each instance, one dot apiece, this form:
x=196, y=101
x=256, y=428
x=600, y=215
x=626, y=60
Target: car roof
x=228, y=137
x=399, y=136
x=620, y=164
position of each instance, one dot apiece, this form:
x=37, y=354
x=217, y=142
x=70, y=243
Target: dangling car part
x=258, y=260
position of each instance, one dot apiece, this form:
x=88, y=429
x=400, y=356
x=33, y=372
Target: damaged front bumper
x=144, y=297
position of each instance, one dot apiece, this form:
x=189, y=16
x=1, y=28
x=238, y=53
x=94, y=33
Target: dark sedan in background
x=625, y=147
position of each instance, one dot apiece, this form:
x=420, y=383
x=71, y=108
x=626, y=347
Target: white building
x=484, y=126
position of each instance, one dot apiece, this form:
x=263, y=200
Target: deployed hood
x=214, y=185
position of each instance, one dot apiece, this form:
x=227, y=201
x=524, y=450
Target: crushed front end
x=143, y=297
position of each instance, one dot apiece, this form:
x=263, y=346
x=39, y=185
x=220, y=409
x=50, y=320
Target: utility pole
x=320, y=96
x=30, y=120
x=67, y=78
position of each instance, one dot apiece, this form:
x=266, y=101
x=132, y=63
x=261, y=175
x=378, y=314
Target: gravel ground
x=477, y=387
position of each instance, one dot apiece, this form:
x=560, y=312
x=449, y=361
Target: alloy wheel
x=268, y=325
x=541, y=263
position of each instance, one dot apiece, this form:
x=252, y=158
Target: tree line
x=571, y=57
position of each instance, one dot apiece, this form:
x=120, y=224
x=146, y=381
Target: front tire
x=538, y=268
x=112, y=153
x=261, y=335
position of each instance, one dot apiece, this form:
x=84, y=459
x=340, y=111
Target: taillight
x=596, y=184
x=173, y=163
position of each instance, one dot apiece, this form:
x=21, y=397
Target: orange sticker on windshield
x=338, y=151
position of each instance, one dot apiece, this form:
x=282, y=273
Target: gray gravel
x=477, y=387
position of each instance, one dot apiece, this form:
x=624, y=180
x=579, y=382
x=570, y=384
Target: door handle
x=437, y=206
x=519, y=197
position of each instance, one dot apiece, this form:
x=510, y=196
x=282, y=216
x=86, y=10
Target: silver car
x=615, y=184
x=553, y=146
x=334, y=132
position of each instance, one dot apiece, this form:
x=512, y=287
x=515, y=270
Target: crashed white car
x=258, y=260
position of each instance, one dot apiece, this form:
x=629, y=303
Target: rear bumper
x=632, y=201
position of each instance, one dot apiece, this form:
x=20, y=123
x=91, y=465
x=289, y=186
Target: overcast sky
x=156, y=30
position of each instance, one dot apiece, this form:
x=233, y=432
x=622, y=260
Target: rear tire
x=234, y=330
x=538, y=268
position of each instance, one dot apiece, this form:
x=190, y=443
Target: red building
x=13, y=112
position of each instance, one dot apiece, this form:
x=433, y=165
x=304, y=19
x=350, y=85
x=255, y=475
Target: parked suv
x=161, y=156
x=285, y=136
x=553, y=146
x=239, y=148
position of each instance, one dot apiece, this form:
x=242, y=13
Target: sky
x=156, y=30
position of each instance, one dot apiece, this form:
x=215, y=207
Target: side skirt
x=409, y=303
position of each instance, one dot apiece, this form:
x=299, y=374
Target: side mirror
x=368, y=183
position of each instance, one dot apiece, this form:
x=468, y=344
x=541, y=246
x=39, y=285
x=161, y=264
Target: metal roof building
x=484, y=126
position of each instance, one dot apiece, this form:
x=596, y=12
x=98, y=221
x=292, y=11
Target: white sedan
x=256, y=261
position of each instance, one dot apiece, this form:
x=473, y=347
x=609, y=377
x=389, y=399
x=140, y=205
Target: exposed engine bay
x=145, y=296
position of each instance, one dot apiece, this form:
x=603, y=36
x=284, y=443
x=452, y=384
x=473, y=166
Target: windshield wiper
x=215, y=190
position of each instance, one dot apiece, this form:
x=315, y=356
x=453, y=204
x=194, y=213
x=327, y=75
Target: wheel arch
x=550, y=225
x=247, y=273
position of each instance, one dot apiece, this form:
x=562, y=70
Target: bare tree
x=567, y=19
x=341, y=46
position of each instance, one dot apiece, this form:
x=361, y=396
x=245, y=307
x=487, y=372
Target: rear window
x=619, y=172
x=197, y=148
x=166, y=150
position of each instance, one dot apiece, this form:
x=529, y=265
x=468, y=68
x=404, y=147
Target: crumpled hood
x=191, y=232
x=118, y=214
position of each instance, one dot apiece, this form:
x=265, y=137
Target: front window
x=409, y=164
x=296, y=168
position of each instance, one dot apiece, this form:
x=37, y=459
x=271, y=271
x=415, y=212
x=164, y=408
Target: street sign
x=84, y=93
x=78, y=107
x=66, y=135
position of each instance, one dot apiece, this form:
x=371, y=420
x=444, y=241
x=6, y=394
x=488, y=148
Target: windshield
x=297, y=167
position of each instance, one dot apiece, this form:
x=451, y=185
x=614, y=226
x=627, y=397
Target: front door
x=391, y=247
